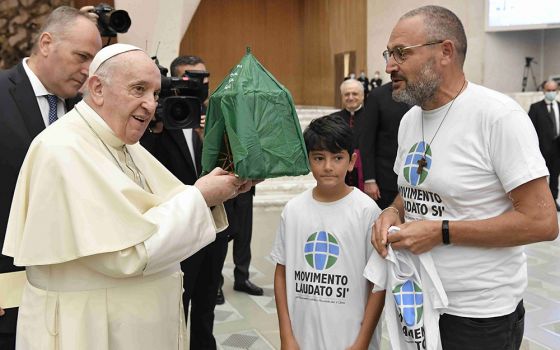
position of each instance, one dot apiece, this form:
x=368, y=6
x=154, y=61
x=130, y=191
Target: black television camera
x=181, y=98
x=111, y=21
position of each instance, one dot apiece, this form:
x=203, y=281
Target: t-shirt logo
x=414, y=161
x=410, y=302
x=321, y=250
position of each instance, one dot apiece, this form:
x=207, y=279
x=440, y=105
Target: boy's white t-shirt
x=485, y=147
x=324, y=248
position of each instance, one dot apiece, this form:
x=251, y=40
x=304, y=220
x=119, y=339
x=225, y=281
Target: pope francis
x=101, y=225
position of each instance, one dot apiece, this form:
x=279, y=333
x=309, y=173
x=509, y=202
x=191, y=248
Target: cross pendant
x=421, y=164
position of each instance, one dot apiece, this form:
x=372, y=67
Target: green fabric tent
x=252, y=128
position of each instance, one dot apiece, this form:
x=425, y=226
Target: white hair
x=349, y=82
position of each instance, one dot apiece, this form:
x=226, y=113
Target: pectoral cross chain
x=421, y=164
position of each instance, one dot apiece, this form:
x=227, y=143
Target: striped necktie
x=53, y=101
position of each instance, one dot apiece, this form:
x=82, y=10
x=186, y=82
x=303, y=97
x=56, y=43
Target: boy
x=321, y=249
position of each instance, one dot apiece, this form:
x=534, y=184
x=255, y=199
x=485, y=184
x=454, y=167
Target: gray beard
x=422, y=90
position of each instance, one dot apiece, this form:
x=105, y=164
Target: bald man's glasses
x=399, y=53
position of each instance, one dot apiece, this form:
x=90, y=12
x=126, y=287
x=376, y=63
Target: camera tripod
x=528, y=68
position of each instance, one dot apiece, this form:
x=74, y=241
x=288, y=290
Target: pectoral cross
x=421, y=164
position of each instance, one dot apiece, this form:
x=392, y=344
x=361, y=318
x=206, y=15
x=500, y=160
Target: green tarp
x=252, y=128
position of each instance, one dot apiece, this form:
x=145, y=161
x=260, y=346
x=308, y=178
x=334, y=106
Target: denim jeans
x=494, y=333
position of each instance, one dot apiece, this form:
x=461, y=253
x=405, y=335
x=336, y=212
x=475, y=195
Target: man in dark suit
x=379, y=127
x=57, y=68
x=544, y=115
x=180, y=151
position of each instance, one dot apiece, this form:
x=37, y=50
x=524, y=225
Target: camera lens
x=120, y=21
x=179, y=109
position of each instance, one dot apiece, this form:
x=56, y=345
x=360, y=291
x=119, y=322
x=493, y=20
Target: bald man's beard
x=423, y=89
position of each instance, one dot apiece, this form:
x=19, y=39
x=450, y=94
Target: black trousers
x=8, y=329
x=243, y=209
x=201, y=282
x=240, y=216
x=495, y=333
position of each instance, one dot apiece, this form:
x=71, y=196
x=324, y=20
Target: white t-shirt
x=325, y=248
x=485, y=148
x=414, y=299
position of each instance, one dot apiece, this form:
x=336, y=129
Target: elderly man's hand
x=219, y=186
x=1, y=312
x=248, y=184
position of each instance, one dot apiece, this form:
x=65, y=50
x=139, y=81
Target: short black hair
x=329, y=133
x=189, y=60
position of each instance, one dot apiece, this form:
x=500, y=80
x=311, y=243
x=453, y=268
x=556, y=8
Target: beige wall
x=383, y=15
x=551, y=52
x=495, y=60
x=157, y=25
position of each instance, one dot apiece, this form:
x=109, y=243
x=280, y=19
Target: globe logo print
x=410, y=302
x=411, y=163
x=321, y=250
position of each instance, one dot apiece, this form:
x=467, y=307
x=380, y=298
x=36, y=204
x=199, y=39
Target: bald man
x=101, y=226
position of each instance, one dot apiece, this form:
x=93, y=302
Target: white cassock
x=101, y=228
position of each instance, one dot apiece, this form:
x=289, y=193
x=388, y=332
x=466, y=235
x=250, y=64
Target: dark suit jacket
x=354, y=177
x=538, y=112
x=172, y=150
x=379, y=125
x=344, y=114
x=20, y=122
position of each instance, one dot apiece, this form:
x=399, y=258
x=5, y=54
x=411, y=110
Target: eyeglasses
x=399, y=53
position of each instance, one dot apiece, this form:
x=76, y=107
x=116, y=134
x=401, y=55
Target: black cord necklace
x=422, y=162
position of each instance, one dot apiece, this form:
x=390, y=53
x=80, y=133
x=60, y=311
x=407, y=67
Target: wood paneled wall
x=296, y=40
